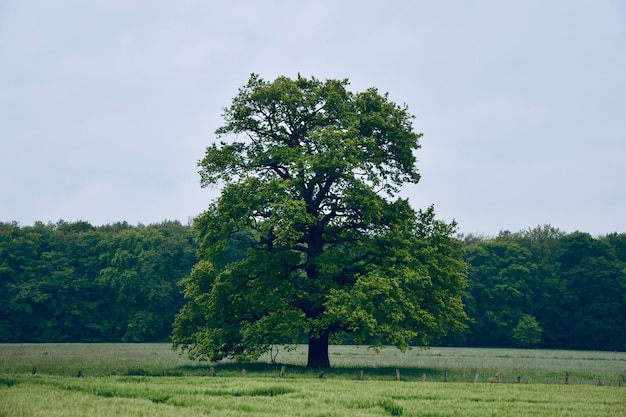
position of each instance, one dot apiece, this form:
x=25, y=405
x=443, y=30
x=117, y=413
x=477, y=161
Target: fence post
x=211, y=371
x=397, y=375
x=519, y=379
x=476, y=378
x=445, y=376
x=361, y=377
x=282, y=371
x=423, y=377
x=566, y=378
x=243, y=372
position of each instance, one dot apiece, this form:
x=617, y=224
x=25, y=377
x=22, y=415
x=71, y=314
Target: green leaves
x=545, y=288
x=225, y=163
x=306, y=124
x=76, y=282
x=310, y=178
x=527, y=333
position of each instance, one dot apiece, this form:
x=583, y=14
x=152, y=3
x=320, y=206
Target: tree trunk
x=318, y=352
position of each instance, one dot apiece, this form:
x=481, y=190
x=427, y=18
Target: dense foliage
x=545, y=288
x=73, y=282
x=127, y=380
x=310, y=174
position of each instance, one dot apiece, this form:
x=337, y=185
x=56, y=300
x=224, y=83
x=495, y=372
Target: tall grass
x=150, y=379
x=93, y=359
x=260, y=396
x=460, y=364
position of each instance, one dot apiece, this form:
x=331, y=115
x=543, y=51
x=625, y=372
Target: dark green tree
x=542, y=287
x=548, y=290
x=19, y=251
x=597, y=279
x=48, y=272
x=500, y=273
x=73, y=300
x=527, y=332
x=73, y=282
x=310, y=181
x=142, y=269
x=617, y=241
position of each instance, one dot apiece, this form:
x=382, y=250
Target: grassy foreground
x=138, y=380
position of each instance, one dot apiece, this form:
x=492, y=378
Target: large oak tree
x=308, y=236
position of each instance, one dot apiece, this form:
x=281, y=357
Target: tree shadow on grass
x=276, y=370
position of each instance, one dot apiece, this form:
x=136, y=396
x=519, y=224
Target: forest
x=75, y=282
x=545, y=288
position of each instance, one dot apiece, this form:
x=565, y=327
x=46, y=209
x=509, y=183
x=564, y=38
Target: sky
x=106, y=106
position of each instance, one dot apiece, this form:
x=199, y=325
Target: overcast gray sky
x=106, y=106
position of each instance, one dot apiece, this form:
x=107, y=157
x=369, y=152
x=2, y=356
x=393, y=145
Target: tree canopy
x=74, y=282
x=308, y=236
x=544, y=288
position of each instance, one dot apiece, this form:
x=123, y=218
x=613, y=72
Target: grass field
x=150, y=379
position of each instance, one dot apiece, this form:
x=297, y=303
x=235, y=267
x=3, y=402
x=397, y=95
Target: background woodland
x=75, y=282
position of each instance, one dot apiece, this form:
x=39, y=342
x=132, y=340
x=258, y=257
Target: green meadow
x=151, y=380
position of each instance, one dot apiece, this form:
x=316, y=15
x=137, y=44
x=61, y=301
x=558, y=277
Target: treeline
x=73, y=282
x=544, y=288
